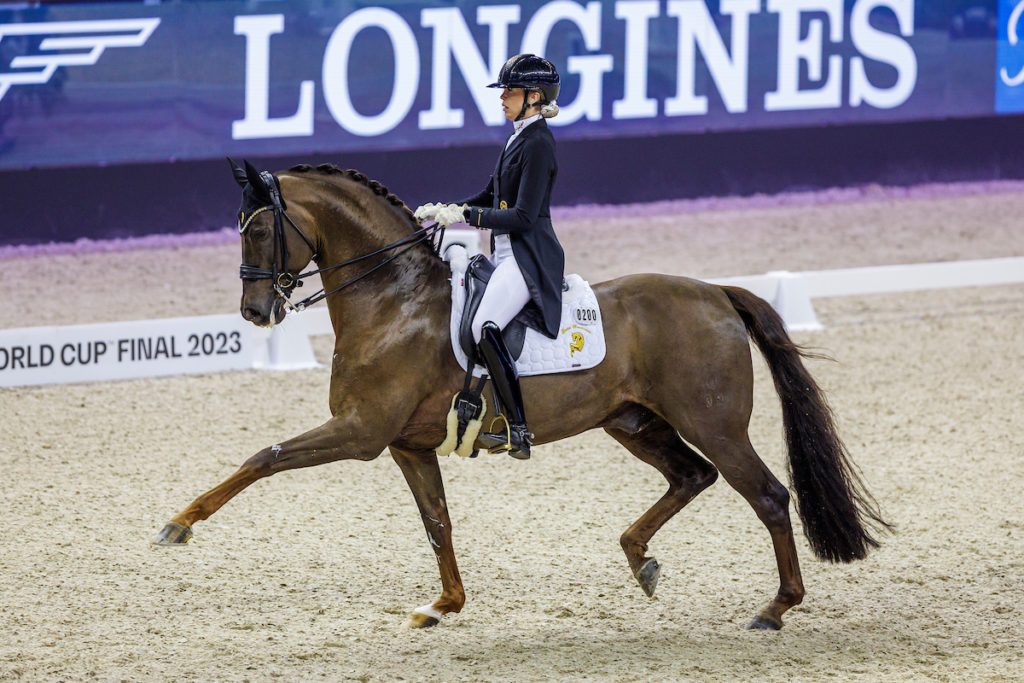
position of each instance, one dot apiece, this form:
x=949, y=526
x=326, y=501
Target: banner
x=147, y=348
x=95, y=84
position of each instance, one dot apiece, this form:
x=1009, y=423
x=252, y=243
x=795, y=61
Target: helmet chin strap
x=526, y=104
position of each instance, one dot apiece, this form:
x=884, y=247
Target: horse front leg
x=329, y=442
x=423, y=475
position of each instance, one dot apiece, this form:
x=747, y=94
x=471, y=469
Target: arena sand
x=310, y=575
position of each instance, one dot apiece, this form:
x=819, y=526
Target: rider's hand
x=453, y=213
x=427, y=212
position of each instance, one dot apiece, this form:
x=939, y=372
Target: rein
x=284, y=282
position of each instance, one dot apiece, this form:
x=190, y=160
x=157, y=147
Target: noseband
x=283, y=281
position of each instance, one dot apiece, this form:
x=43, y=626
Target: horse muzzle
x=266, y=315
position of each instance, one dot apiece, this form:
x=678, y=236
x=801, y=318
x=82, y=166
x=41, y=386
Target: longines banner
x=86, y=84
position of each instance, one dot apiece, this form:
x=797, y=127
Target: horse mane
x=354, y=175
x=381, y=191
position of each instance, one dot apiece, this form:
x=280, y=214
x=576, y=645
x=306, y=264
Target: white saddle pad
x=580, y=343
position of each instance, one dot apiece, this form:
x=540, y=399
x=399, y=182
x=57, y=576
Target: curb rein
x=284, y=282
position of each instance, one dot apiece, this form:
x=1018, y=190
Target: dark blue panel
x=95, y=84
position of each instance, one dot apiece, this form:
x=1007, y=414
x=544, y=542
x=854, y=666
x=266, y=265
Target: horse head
x=365, y=234
x=276, y=245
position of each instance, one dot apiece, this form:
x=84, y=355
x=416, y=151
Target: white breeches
x=506, y=293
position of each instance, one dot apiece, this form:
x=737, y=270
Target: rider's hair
x=548, y=110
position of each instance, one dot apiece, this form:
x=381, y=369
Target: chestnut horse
x=677, y=372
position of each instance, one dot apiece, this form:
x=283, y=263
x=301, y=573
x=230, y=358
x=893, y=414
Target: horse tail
x=836, y=509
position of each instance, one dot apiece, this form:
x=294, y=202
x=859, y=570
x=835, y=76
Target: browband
x=257, y=212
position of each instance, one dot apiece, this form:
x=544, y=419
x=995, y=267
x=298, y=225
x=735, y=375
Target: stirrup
x=498, y=442
x=500, y=448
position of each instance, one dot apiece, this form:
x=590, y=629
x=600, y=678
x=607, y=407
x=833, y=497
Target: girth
x=478, y=274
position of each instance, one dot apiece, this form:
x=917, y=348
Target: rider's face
x=512, y=102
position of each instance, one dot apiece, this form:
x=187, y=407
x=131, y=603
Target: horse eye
x=260, y=233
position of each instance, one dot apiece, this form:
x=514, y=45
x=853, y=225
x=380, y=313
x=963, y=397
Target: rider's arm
x=483, y=198
x=538, y=168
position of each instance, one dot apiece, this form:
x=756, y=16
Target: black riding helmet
x=529, y=72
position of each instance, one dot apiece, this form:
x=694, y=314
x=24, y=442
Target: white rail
x=85, y=353
x=791, y=293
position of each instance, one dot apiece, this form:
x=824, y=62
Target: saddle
x=478, y=274
x=580, y=343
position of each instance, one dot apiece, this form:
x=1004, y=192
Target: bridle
x=284, y=282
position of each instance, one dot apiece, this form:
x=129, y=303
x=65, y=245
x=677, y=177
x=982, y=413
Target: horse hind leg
x=751, y=478
x=658, y=444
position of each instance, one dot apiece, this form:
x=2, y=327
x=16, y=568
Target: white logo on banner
x=1011, y=34
x=93, y=36
x=807, y=37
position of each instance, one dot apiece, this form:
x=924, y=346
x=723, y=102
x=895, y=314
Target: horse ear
x=240, y=176
x=252, y=174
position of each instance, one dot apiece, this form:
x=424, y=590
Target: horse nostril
x=251, y=314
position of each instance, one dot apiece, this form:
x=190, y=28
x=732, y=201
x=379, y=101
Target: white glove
x=453, y=213
x=427, y=212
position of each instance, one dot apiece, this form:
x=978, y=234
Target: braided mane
x=381, y=191
x=354, y=175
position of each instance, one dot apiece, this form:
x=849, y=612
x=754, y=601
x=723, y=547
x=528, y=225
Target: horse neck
x=359, y=222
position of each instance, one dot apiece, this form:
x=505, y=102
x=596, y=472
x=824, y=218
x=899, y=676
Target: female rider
x=528, y=259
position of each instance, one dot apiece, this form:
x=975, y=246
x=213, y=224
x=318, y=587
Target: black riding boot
x=505, y=379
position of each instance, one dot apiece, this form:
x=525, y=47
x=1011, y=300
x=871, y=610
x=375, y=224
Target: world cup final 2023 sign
x=112, y=83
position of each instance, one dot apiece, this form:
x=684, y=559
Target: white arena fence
x=791, y=293
x=214, y=343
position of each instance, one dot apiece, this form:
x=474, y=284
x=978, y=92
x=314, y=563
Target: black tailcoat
x=517, y=202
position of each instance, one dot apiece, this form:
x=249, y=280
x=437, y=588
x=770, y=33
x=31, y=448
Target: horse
x=675, y=388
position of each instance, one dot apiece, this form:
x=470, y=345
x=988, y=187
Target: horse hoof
x=648, y=575
x=173, y=534
x=763, y=622
x=424, y=617
x=417, y=620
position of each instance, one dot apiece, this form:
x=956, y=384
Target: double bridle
x=284, y=282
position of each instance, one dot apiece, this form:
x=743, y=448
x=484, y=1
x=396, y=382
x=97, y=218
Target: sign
x=150, y=348
x=94, y=83
x=1010, y=58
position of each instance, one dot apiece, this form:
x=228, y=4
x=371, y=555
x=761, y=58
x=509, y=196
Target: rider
x=528, y=259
